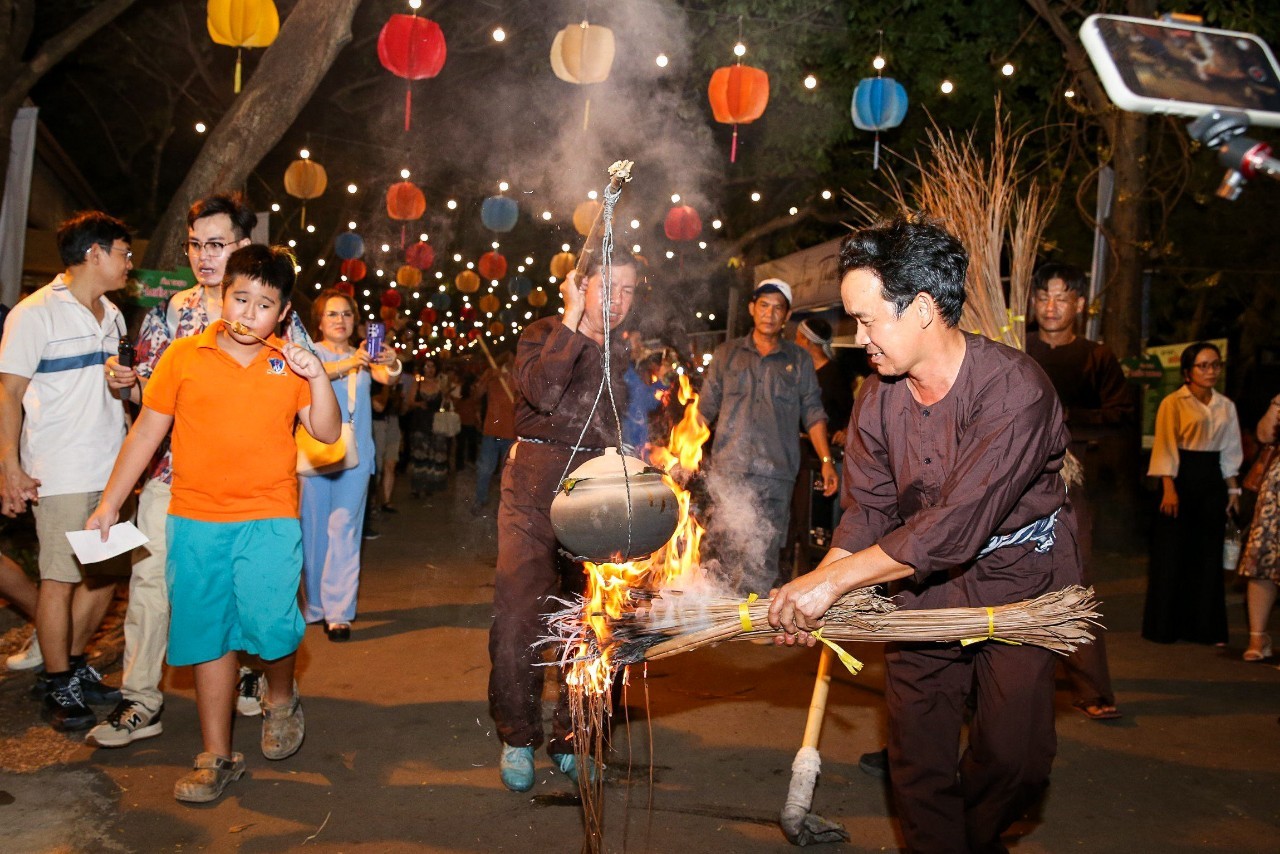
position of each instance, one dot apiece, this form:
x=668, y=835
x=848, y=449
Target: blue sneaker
x=568, y=765
x=516, y=768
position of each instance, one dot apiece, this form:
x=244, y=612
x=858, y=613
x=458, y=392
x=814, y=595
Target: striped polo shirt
x=72, y=427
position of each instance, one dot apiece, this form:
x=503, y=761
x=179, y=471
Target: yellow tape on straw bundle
x=991, y=632
x=851, y=664
x=744, y=613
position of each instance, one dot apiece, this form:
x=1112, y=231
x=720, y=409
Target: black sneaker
x=875, y=763
x=92, y=688
x=64, y=707
x=371, y=533
x=40, y=686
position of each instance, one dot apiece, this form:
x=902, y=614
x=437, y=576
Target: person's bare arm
x=139, y=447
x=18, y=487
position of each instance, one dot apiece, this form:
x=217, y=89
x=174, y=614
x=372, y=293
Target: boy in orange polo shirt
x=235, y=545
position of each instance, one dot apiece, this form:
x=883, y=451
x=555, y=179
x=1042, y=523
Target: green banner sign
x=154, y=287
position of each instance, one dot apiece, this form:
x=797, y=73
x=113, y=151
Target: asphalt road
x=400, y=753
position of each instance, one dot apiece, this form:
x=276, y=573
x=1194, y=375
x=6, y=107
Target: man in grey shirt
x=761, y=392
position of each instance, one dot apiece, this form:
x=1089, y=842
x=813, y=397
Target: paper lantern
x=391, y=297
x=498, y=213
x=450, y=332
x=427, y=316
x=388, y=314
x=496, y=328
x=738, y=95
x=305, y=179
x=468, y=313
x=519, y=287
x=242, y=23
x=354, y=269
x=492, y=265
x=467, y=282
x=473, y=334
x=490, y=303
x=345, y=288
x=562, y=264
x=420, y=255
x=584, y=216
x=348, y=245
x=879, y=103
x=405, y=201
x=408, y=277
x=682, y=223
x=440, y=301
x=582, y=54
x=538, y=298
x=412, y=48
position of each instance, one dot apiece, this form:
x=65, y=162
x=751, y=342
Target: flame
x=609, y=585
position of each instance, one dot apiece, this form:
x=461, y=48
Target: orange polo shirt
x=234, y=457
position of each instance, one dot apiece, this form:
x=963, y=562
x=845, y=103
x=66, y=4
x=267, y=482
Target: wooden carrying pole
x=800, y=825
x=619, y=174
x=493, y=364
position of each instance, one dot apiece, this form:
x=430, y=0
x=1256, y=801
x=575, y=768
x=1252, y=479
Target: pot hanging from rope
x=590, y=513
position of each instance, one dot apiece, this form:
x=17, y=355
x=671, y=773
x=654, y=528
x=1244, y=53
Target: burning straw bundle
x=669, y=624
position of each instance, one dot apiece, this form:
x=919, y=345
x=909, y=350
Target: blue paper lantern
x=440, y=301
x=519, y=286
x=348, y=245
x=498, y=213
x=879, y=103
x=510, y=316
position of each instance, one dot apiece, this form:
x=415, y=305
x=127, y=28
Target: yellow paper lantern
x=467, y=282
x=305, y=179
x=582, y=53
x=496, y=328
x=538, y=298
x=489, y=303
x=562, y=263
x=408, y=277
x=584, y=216
x=241, y=24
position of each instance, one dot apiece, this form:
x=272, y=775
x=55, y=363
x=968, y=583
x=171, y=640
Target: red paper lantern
x=388, y=314
x=405, y=201
x=420, y=255
x=427, y=316
x=391, y=298
x=738, y=95
x=450, y=332
x=492, y=265
x=473, y=334
x=468, y=313
x=682, y=223
x=354, y=269
x=412, y=48
x=345, y=288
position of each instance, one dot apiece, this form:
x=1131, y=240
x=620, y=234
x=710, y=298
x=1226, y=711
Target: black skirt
x=1186, y=595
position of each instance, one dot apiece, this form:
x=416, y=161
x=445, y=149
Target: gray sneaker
x=283, y=727
x=128, y=722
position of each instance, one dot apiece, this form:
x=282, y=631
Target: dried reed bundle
x=666, y=626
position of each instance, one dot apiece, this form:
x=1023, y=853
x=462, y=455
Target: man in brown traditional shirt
x=558, y=370
x=952, y=485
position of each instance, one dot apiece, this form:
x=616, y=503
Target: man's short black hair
x=910, y=255
x=243, y=218
x=621, y=257
x=1072, y=278
x=269, y=265
x=84, y=230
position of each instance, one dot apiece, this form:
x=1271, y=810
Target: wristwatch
x=826, y=459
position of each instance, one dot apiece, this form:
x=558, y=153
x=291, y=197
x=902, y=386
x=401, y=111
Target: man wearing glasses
x=60, y=430
x=217, y=226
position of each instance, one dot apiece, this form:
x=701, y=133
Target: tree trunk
x=280, y=87
x=1127, y=235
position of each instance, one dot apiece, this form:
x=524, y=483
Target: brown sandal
x=211, y=774
x=1098, y=711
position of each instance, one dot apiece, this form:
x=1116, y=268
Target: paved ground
x=400, y=753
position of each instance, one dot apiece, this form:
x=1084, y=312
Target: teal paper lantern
x=519, y=286
x=348, y=245
x=498, y=213
x=879, y=103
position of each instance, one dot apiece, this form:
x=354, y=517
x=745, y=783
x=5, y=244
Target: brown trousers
x=1087, y=667
x=530, y=570
x=945, y=805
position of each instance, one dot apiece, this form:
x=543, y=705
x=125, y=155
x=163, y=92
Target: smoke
x=739, y=536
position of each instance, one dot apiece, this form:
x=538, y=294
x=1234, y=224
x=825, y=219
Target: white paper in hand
x=122, y=538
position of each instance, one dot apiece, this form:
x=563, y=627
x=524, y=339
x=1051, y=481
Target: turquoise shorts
x=233, y=586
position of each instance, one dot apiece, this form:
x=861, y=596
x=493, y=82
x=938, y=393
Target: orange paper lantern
x=492, y=265
x=489, y=303
x=562, y=263
x=354, y=269
x=305, y=179
x=738, y=95
x=682, y=223
x=496, y=328
x=405, y=201
x=467, y=282
x=408, y=277
x=538, y=298
x=584, y=216
x=242, y=23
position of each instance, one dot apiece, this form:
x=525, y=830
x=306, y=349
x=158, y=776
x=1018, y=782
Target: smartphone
x=1150, y=66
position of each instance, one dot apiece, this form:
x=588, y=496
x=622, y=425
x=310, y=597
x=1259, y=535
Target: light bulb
x=702, y=244
x=635, y=223
x=351, y=224
x=275, y=208
x=200, y=127
x=292, y=243
x=826, y=194
x=661, y=60
x=311, y=229
x=304, y=154
x=386, y=247
x=404, y=173
x=675, y=198
x=451, y=204
x=715, y=223
x=529, y=260
x=320, y=262
x=546, y=215
x=457, y=256
x=947, y=87
x=1070, y=93
x=351, y=188
x=499, y=34
x=503, y=186
x=636, y=249
x=670, y=254
x=878, y=63
x=810, y=82
x=423, y=237
x=755, y=197
x=592, y=195
x=494, y=244
x=564, y=247
x=739, y=49
x=793, y=210
x=1007, y=69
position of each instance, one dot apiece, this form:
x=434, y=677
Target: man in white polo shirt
x=53, y=396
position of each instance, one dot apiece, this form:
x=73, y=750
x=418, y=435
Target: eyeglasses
x=212, y=248
x=336, y=315
x=1208, y=366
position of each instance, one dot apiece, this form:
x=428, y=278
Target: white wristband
x=1235, y=491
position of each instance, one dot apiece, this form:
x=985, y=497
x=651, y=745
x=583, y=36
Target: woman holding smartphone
x=333, y=504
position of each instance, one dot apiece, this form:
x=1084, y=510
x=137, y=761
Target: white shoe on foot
x=27, y=658
x=128, y=722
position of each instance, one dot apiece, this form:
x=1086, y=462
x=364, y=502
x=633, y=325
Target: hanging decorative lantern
x=473, y=334
x=738, y=95
x=583, y=54
x=538, y=298
x=242, y=23
x=468, y=314
x=496, y=328
x=492, y=265
x=305, y=179
x=348, y=245
x=408, y=277
x=584, y=216
x=420, y=255
x=879, y=103
x=412, y=48
x=388, y=314
x=613, y=509
x=467, y=282
x=391, y=298
x=405, y=203
x=490, y=303
x=345, y=288
x=427, y=316
x=450, y=332
x=519, y=286
x=440, y=301
x=562, y=264
x=682, y=224
x=498, y=213
x=354, y=269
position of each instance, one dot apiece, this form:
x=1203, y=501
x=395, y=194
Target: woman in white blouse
x=1196, y=456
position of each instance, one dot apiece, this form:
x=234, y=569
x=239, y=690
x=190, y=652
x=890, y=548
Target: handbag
x=316, y=457
x=1258, y=471
x=446, y=422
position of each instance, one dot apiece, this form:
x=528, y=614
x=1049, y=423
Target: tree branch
x=56, y=48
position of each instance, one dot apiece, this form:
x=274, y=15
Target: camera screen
x=1167, y=63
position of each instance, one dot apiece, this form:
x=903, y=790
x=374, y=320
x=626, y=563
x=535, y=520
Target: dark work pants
x=1087, y=666
x=530, y=569
x=945, y=805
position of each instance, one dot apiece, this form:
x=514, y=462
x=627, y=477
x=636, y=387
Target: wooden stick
x=493, y=364
x=619, y=174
